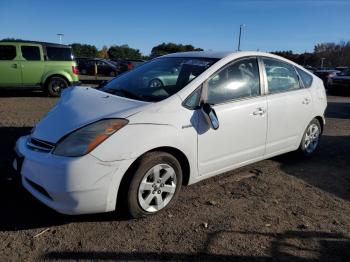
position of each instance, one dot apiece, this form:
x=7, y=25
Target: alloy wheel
x=157, y=188
x=311, y=139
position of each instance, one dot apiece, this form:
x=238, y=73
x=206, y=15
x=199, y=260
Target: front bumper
x=71, y=185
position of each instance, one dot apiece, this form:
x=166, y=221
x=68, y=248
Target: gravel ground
x=284, y=208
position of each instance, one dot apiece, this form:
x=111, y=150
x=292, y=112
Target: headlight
x=85, y=139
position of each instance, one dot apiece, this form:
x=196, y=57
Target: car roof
x=225, y=54
x=34, y=42
x=204, y=54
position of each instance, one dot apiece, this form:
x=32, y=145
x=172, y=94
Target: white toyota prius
x=173, y=121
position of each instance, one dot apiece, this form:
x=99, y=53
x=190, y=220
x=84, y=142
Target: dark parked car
x=96, y=66
x=310, y=68
x=124, y=65
x=325, y=74
x=342, y=68
x=340, y=82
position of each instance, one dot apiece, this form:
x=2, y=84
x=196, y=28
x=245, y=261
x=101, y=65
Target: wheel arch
x=56, y=75
x=126, y=179
x=321, y=121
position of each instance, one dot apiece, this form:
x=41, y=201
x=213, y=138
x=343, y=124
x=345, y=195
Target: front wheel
x=154, y=185
x=311, y=138
x=55, y=85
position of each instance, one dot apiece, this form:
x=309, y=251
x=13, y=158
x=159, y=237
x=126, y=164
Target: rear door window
x=30, y=53
x=7, y=52
x=281, y=77
x=59, y=53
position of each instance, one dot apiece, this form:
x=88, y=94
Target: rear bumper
x=71, y=185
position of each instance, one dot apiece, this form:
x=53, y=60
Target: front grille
x=40, y=145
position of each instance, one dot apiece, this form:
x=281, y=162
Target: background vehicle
x=124, y=65
x=325, y=74
x=340, y=82
x=96, y=66
x=37, y=65
x=138, y=144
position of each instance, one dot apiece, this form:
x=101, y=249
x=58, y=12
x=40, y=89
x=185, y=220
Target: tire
x=55, y=85
x=311, y=138
x=145, y=190
x=155, y=83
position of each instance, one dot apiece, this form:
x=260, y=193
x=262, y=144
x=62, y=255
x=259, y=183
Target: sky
x=270, y=25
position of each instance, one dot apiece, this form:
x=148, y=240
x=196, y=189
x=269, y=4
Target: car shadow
x=285, y=246
x=22, y=93
x=19, y=209
x=328, y=168
x=338, y=110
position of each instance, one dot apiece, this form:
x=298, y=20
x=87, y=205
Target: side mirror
x=210, y=116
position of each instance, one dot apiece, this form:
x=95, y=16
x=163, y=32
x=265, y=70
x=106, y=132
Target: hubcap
x=157, y=188
x=311, y=138
x=57, y=86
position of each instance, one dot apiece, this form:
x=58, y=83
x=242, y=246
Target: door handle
x=259, y=112
x=306, y=101
x=14, y=65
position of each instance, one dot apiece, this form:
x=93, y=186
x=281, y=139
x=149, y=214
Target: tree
x=123, y=52
x=103, y=53
x=168, y=48
x=84, y=50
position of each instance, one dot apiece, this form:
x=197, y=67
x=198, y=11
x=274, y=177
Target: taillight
x=130, y=66
x=75, y=70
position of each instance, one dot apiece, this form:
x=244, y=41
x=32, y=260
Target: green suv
x=37, y=65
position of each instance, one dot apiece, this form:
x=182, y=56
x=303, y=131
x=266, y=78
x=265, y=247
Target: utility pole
x=239, y=38
x=322, y=59
x=60, y=36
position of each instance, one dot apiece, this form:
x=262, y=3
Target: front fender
x=134, y=140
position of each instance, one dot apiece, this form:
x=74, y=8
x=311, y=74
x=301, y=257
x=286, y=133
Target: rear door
x=32, y=64
x=289, y=106
x=10, y=66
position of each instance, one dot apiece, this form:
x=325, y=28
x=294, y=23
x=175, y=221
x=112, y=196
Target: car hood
x=80, y=106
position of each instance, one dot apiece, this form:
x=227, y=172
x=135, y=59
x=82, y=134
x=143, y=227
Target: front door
x=235, y=94
x=10, y=66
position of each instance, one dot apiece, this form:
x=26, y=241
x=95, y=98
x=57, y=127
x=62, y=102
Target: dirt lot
x=285, y=208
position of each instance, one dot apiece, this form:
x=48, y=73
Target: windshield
x=158, y=79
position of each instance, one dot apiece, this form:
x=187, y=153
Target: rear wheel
x=55, y=85
x=154, y=185
x=311, y=138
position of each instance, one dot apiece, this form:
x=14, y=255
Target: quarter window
x=305, y=77
x=7, y=52
x=30, y=53
x=238, y=80
x=59, y=53
x=193, y=99
x=281, y=76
